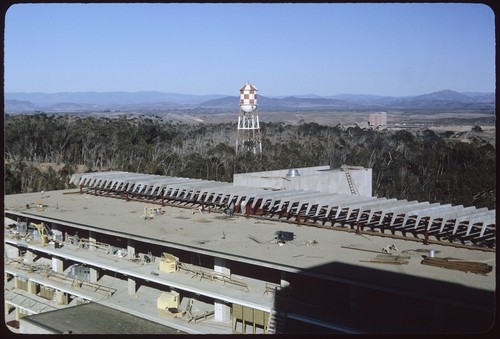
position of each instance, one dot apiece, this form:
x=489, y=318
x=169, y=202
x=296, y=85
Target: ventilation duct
x=293, y=173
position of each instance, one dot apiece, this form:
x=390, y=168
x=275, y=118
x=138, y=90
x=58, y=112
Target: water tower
x=248, y=132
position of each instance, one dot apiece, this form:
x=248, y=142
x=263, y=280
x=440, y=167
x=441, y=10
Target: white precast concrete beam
x=85, y=180
x=118, y=184
x=267, y=196
x=310, y=201
x=485, y=222
x=396, y=208
x=436, y=211
x=481, y=211
x=405, y=211
x=491, y=225
x=302, y=200
x=239, y=195
x=462, y=214
x=173, y=189
x=200, y=189
x=241, y=192
x=365, y=205
x=137, y=187
x=245, y=199
x=146, y=183
x=107, y=183
x=232, y=191
x=481, y=218
x=289, y=199
x=264, y=196
x=102, y=183
x=212, y=188
x=195, y=186
x=343, y=200
x=75, y=178
x=449, y=214
x=162, y=183
x=424, y=211
x=281, y=196
x=221, y=192
x=375, y=207
x=318, y=201
x=117, y=181
x=99, y=176
x=133, y=180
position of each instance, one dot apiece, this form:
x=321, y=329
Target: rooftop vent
x=293, y=173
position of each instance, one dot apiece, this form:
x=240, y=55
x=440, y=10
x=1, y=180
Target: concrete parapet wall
x=320, y=178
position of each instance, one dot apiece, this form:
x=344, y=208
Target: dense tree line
x=420, y=165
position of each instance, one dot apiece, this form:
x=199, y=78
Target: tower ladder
x=352, y=185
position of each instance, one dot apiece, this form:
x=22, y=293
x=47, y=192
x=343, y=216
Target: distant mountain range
x=158, y=101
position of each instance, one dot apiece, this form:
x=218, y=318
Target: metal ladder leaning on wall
x=352, y=186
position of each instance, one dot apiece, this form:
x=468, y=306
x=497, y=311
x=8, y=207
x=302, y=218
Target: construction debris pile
x=458, y=264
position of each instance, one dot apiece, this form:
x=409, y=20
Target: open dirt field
x=439, y=122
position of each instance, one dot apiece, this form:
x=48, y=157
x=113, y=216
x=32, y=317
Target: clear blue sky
x=283, y=49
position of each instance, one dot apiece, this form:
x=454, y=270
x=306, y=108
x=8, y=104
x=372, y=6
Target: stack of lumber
x=389, y=259
x=458, y=264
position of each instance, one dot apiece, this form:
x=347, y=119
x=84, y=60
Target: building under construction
x=305, y=250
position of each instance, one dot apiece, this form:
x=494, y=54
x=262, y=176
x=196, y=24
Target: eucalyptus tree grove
x=417, y=165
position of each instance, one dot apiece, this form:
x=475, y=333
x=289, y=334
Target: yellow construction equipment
x=168, y=300
x=151, y=211
x=168, y=263
x=42, y=230
x=40, y=205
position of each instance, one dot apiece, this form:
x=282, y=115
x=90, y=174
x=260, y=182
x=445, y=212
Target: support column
x=8, y=308
x=94, y=275
x=29, y=256
x=222, y=311
x=92, y=241
x=57, y=265
x=130, y=249
x=32, y=287
x=222, y=266
x=131, y=286
x=61, y=298
x=12, y=252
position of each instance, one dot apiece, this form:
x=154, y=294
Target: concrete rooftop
x=336, y=255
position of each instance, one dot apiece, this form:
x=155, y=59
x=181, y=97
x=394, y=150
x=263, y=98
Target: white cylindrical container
x=248, y=98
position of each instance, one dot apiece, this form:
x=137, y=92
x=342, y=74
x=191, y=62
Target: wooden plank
x=458, y=264
x=389, y=259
